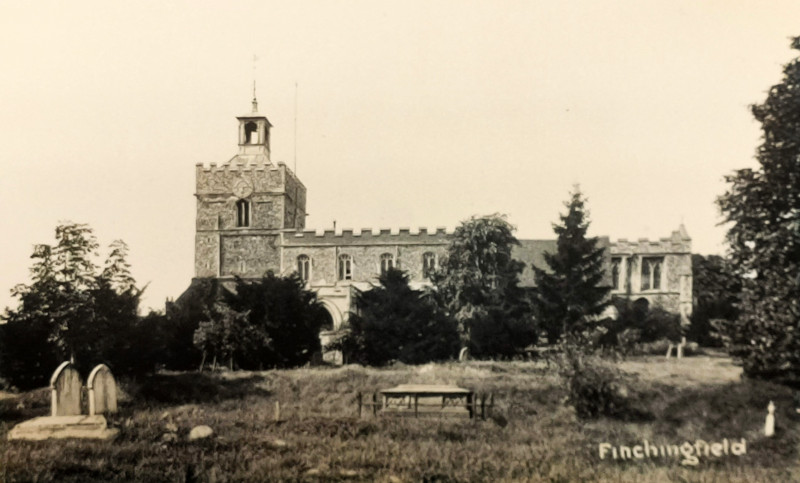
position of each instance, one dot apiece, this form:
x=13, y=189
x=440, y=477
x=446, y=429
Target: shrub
x=596, y=388
x=638, y=322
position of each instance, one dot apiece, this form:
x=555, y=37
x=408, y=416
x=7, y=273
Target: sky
x=407, y=113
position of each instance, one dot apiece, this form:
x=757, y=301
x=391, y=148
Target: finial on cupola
x=255, y=101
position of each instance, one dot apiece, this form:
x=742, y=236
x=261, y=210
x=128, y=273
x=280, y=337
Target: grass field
x=532, y=436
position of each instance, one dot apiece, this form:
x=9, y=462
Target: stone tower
x=243, y=206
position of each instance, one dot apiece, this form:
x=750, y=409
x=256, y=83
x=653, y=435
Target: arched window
x=304, y=267
x=387, y=262
x=345, y=267
x=428, y=264
x=251, y=133
x=651, y=273
x=242, y=213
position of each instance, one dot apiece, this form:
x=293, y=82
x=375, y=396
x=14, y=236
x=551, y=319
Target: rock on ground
x=200, y=432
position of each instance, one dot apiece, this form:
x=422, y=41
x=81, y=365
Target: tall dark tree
x=478, y=285
x=394, y=322
x=762, y=207
x=183, y=317
x=287, y=318
x=569, y=295
x=715, y=292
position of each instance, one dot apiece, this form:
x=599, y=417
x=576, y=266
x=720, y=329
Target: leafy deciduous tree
x=72, y=311
x=478, y=285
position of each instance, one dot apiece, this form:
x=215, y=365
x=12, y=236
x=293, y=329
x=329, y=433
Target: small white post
x=769, y=424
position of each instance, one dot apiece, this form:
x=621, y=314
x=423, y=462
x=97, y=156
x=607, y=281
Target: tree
x=715, y=291
x=287, y=318
x=229, y=336
x=762, y=208
x=395, y=322
x=478, y=286
x=569, y=294
x=71, y=310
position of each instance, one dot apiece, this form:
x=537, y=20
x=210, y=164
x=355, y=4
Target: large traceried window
x=345, y=268
x=304, y=267
x=242, y=213
x=387, y=262
x=651, y=272
x=428, y=264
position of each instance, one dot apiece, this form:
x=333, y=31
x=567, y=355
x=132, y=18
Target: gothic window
x=345, y=267
x=387, y=262
x=615, y=266
x=428, y=264
x=251, y=133
x=304, y=267
x=651, y=272
x=242, y=213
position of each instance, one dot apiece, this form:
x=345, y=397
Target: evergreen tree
x=478, y=286
x=762, y=207
x=395, y=322
x=569, y=295
x=715, y=291
x=283, y=321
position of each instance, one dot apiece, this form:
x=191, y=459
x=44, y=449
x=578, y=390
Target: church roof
x=532, y=253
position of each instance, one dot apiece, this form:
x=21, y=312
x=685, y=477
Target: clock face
x=242, y=189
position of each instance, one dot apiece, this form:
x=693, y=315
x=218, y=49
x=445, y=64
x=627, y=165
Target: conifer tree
x=395, y=322
x=569, y=295
x=762, y=207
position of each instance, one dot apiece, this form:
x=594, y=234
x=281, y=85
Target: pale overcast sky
x=410, y=113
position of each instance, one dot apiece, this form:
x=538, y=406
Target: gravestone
x=66, y=420
x=65, y=391
x=102, y=391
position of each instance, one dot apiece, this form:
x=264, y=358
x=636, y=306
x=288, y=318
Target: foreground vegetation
x=531, y=436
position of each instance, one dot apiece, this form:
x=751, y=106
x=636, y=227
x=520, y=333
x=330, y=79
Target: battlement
x=237, y=166
x=369, y=235
x=678, y=242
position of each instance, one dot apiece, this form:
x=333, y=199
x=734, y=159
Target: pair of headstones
x=65, y=387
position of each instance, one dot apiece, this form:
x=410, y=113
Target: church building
x=251, y=219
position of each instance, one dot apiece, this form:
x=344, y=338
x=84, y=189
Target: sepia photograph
x=400, y=241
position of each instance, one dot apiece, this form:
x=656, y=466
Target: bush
x=596, y=388
x=637, y=322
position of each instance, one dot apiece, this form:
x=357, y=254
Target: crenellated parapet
x=659, y=271
x=679, y=243
x=369, y=236
x=241, y=179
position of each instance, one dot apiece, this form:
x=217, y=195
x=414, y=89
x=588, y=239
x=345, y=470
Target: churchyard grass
x=531, y=436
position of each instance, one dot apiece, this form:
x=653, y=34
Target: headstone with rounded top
x=65, y=391
x=102, y=391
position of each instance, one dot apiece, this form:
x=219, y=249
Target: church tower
x=244, y=205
